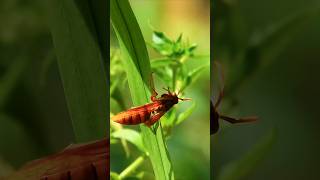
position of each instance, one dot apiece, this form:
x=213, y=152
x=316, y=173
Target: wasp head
x=172, y=97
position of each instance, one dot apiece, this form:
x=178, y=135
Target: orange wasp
x=149, y=113
x=215, y=115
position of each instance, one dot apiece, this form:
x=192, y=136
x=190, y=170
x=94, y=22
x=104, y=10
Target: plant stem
x=174, y=77
x=132, y=167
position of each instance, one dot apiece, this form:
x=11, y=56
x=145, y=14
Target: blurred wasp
x=79, y=161
x=215, y=115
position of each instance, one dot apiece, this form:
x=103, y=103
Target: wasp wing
x=143, y=110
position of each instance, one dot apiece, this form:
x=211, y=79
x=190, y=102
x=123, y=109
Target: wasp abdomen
x=134, y=118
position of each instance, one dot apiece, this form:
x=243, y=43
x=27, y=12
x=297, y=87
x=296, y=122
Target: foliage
x=170, y=68
x=137, y=67
x=243, y=52
x=80, y=60
x=32, y=101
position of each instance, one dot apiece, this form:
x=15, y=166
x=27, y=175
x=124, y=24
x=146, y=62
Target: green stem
x=132, y=167
x=174, y=77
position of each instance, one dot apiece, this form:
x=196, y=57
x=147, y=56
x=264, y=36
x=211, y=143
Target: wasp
x=215, y=115
x=79, y=161
x=149, y=113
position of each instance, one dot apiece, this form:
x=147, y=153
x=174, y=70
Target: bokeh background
x=34, y=119
x=188, y=145
x=283, y=91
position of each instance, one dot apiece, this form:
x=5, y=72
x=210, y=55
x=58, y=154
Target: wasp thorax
x=170, y=98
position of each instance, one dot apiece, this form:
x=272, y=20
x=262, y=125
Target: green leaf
x=114, y=106
x=161, y=43
x=179, y=39
x=193, y=75
x=163, y=62
x=192, y=48
x=114, y=176
x=168, y=118
x=99, y=9
x=132, y=136
x=114, y=85
x=164, y=74
x=160, y=38
x=113, y=140
x=76, y=33
x=166, y=47
x=183, y=116
x=240, y=168
x=139, y=72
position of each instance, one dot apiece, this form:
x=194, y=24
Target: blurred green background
x=284, y=92
x=188, y=145
x=34, y=119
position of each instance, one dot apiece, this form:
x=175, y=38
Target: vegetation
x=131, y=64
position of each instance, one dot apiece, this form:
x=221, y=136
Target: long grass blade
x=80, y=57
x=138, y=69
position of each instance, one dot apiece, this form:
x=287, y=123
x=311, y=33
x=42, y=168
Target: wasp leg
x=154, y=119
x=239, y=120
x=167, y=89
x=153, y=95
x=154, y=92
x=221, y=81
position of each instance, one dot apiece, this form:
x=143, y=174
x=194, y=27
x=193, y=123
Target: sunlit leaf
x=114, y=176
x=163, y=62
x=160, y=38
x=114, y=106
x=130, y=135
x=113, y=140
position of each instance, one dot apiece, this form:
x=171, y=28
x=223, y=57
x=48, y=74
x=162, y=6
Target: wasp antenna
x=151, y=81
x=179, y=92
x=239, y=120
x=167, y=89
x=184, y=99
x=221, y=79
